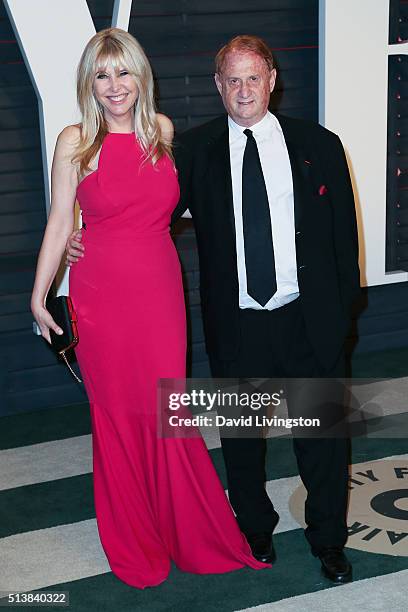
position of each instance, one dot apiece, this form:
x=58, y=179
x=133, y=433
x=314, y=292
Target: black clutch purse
x=64, y=315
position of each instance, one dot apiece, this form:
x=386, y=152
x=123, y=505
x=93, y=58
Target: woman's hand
x=74, y=248
x=45, y=321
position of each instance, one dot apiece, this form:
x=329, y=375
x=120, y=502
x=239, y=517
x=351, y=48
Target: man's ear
x=218, y=82
x=272, y=79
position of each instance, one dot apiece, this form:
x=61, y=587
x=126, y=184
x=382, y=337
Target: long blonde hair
x=121, y=49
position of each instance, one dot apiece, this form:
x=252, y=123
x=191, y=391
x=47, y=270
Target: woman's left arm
x=60, y=223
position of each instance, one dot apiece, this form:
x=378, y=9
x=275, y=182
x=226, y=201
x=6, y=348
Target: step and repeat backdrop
x=316, y=81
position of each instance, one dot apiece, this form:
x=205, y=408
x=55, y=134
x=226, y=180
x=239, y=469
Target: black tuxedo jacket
x=325, y=231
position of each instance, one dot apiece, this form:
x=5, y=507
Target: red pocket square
x=322, y=189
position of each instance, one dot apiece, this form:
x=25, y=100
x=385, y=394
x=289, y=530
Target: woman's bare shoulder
x=166, y=126
x=66, y=145
x=69, y=137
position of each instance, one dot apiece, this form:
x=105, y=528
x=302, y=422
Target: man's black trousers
x=274, y=344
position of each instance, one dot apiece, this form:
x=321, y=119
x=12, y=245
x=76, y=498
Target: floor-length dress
x=156, y=499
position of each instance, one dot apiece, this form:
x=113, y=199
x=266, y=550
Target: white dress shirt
x=277, y=173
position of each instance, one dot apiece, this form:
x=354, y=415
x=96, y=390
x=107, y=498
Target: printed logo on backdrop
x=378, y=510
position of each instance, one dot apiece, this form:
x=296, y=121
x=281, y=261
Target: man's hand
x=74, y=248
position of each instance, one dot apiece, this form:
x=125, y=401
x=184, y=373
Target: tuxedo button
x=301, y=267
x=298, y=234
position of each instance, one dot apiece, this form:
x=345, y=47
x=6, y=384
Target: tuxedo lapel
x=219, y=174
x=301, y=166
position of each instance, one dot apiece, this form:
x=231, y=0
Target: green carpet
x=68, y=500
x=26, y=510
x=295, y=573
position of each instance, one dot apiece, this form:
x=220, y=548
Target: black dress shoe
x=335, y=565
x=262, y=546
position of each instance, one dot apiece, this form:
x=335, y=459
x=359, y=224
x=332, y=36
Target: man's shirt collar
x=262, y=128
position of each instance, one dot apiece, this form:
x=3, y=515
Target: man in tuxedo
x=273, y=210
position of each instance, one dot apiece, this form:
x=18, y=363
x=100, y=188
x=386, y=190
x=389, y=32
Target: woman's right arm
x=64, y=182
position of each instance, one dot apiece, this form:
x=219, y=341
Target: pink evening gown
x=156, y=499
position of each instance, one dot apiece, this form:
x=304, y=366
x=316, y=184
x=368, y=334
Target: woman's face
x=116, y=90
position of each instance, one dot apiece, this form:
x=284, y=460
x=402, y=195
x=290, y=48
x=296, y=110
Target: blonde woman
x=156, y=499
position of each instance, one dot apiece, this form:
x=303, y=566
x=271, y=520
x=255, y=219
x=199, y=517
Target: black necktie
x=258, y=245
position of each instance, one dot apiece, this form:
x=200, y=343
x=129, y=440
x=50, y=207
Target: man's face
x=245, y=85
